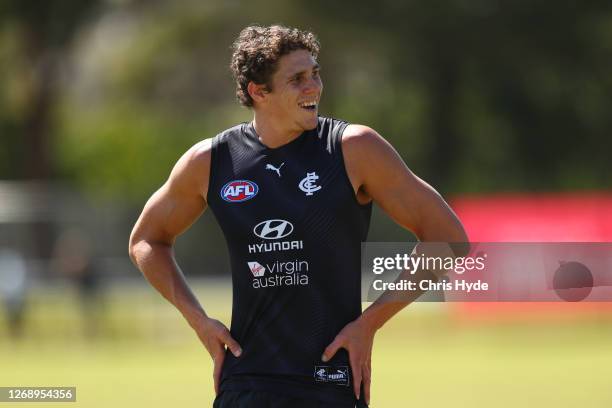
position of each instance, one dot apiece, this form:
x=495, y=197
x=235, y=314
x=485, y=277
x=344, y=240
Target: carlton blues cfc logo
x=237, y=191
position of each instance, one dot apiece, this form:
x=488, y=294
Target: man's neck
x=273, y=133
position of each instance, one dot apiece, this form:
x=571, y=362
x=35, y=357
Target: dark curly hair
x=257, y=50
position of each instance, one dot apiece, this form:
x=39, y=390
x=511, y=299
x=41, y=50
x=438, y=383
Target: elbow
x=139, y=250
x=461, y=235
x=133, y=248
x=142, y=248
x=460, y=243
x=132, y=251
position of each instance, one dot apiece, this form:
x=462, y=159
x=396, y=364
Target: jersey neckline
x=251, y=133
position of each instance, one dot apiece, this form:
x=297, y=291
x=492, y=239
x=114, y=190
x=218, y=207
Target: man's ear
x=257, y=92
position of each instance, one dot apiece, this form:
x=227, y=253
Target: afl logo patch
x=239, y=190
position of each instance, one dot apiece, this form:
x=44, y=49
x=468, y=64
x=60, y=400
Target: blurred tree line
x=477, y=96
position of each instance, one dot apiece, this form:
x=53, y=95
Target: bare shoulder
x=356, y=135
x=361, y=142
x=191, y=172
x=363, y=147
x=200, y=153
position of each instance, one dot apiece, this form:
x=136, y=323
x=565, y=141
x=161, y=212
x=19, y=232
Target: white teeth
x=308, y=104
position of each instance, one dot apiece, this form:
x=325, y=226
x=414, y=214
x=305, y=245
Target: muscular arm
x=167, y=214
x=381, y=175
x=378, y=173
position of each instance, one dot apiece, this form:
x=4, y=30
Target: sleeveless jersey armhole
x=337, y=140
x=213, y=166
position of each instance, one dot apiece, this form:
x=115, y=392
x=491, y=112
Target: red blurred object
x=577, y=217
x=552, y=217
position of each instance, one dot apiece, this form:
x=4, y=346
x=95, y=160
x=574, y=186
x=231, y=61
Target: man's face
x=296, y=91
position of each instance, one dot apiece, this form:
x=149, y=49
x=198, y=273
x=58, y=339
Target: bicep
x=414, y=204
x=168, y=213
x=179, y=202
x=407, y=199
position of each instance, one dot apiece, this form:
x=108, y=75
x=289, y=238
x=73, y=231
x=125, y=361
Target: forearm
x=157, y=263
x=391, y=302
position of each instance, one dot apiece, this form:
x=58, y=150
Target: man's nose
x=313, y=86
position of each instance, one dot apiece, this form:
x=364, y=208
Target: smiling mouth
x=311, y=106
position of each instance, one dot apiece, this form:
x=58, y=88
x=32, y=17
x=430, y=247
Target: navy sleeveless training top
x=294, y=229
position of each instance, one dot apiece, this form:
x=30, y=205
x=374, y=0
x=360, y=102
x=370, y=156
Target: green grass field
x=148, y=357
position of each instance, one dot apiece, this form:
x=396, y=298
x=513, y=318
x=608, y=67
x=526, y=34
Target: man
x=292, y=192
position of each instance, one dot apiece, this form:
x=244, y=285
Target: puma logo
x=276, y=169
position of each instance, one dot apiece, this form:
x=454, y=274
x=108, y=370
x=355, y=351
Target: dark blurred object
x=573, y=281
x=74, y=259
x=43, y=31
